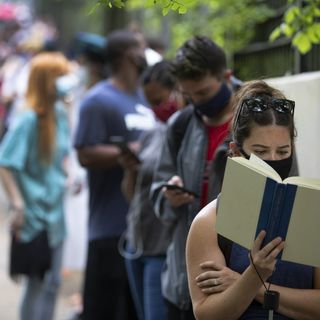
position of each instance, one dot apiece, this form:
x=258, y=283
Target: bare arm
x=130, y=165
x=294, y=303
x=15, y=198
x=233, y=301
x=128, y=184
x=11, y=188
x=99, y=157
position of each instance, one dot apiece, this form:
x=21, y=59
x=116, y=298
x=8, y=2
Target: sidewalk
x=11, y=292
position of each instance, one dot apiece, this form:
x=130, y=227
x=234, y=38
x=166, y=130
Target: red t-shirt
x=216, y=135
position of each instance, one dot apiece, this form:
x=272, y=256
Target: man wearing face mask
x=112, y=110
x=193, y=156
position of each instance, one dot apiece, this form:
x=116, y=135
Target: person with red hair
x=32, y=167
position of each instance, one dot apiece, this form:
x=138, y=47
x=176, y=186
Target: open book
x=254, y=198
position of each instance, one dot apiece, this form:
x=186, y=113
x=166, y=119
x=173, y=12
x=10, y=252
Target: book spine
x=276, y=210
x=275, y=213
x=266, y=205
x=288, y=202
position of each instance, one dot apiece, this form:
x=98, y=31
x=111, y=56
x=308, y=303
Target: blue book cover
x=276, y=209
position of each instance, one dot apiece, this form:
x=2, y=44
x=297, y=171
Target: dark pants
x=174, y=313
x=106, y=289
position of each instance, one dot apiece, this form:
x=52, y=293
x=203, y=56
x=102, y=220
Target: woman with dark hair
x=147, y=239
x=32, y=167
x=224, y=287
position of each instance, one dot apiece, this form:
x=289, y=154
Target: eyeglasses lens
x=259, y=105
x=256, y=105
x=283, y=106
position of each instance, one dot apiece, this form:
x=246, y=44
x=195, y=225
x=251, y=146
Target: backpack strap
x=224, y=244
x=180, y=124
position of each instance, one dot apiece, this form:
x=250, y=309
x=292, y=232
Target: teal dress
x=42, y=186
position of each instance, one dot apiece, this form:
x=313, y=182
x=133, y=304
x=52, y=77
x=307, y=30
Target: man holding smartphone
x=193, y=157
x=113, y=107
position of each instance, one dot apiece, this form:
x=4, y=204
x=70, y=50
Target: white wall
x=304, y=89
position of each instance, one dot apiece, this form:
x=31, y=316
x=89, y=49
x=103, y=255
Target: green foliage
x=180, y=7
x=166, y=5
x=230, y=22
x=114, y=3
x=300, y=24
x=173, y=5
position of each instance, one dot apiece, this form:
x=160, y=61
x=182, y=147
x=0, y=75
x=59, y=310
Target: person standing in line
x=113, y=110
x=146, y=237
x=33, y=170
x=193, y=156
x=264, y=126
x=88, y=68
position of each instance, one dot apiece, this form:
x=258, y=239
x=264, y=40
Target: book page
x=270, y=170
x=304, y=182
x=240, y=202
x=302, y=240
x=258, y=165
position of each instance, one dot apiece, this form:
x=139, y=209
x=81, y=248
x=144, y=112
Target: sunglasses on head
x=261, y=104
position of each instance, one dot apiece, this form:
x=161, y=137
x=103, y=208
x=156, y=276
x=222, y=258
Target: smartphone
x=182, y=189
x=122, y=145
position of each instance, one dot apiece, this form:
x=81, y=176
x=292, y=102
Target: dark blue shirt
x=286, y=274
x=107, y=112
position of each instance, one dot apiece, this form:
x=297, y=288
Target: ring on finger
x=215, y=282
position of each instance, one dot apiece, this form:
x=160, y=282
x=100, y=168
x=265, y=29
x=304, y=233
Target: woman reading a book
x=229, y=282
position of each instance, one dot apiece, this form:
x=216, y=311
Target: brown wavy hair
x=45, y=68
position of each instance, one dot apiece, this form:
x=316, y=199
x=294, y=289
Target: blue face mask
x=215, y=104
x=83, y=75
x=65, y=85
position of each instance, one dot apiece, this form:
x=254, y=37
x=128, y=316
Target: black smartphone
x=182, y=189
x=122, y=145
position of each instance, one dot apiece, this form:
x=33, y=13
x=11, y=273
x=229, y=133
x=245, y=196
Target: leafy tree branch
x=301, y=22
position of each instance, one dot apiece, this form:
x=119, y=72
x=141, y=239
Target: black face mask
x=215, y=104
x=282, y=167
